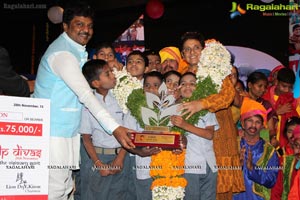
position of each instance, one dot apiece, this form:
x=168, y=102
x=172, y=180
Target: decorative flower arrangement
x=124, y=87
x=150, y=109
x=214, y=62
x=168, y=182
x=213, y=67
x=166, y=168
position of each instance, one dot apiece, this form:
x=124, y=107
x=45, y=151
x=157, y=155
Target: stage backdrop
x=248, y=60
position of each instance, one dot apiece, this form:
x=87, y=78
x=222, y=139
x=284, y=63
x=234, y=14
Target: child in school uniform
x=109, y=162
x=200, y=161
x=139, y=180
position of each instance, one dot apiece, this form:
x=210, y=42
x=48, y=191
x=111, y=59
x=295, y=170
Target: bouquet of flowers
x=213, y=67
x=124, y=87
x=214, y=63
x=166, y=168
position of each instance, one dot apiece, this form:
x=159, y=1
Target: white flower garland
x=214, y=62
x=167, y=193
x=124, y=86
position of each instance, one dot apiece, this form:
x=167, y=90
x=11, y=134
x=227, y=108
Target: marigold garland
x=171, y=165
x=167, y=170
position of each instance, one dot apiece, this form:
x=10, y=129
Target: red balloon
x=155, y=9
x=55, y=14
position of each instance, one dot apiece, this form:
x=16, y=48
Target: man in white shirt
x=60, y=79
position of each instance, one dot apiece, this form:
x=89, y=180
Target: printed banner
x=294, y=36
x=24, y=148
x=131, y=39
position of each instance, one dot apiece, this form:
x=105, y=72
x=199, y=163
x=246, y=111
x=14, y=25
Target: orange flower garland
x=167, y=168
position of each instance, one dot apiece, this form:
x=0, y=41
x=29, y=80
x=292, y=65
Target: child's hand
x=149, y=151
x=183, y=141
x=103, y=169
x=282, y=109
x=177, y=151
x=178, y=121
x=190, y=108
x=117, y=165
x=274, y=142
x=115, y=64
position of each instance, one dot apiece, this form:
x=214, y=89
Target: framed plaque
x=165, y=140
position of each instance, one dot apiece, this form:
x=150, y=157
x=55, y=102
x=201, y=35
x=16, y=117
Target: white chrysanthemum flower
x=124, y=86
x=214, y=62
x=168, y=193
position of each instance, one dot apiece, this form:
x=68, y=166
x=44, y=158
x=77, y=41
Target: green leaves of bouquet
x=203, y=89
x=137, y=104
x=150, y=109
x=135, y=101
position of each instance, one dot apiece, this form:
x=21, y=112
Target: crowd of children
x=245, y=146
x=269, y=133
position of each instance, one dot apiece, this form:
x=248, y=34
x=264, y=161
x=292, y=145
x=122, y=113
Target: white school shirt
x=89, y=124
x=200, y=150
x=142, y=163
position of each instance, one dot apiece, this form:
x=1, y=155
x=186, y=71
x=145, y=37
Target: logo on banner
x=236, y=10
x=22, y=184
x=266, y=8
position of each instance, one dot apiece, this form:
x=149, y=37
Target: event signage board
x=24, y=148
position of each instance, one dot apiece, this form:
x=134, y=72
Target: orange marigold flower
x=170, y=170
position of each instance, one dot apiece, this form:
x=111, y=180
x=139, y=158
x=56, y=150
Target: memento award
x=156, y=117
x=163, y=139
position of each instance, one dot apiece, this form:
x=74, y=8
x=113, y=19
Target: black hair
x=232, y=57
x=153, y=74
x=192, y=35
x=296, y=26
x=290, y=122
x=256, y=76
x=78, y=8
x=151, y=52
x=242, y=83
x=137, y=52
x=92, y=69
x=186, y=74
x=105, y=45
x=169, y=73
x=237, y=71
x=286, y=75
